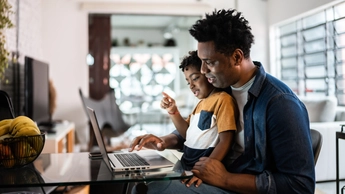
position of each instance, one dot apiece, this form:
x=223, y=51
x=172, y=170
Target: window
x=310, y=53
x=140, y=75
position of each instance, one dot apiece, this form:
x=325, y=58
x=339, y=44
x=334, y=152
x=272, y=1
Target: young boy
x=210, y=128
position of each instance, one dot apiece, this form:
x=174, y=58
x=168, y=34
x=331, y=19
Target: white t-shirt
x=241, y=96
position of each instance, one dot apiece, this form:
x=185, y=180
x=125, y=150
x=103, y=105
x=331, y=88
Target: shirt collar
x=258, y=82
x=259, y=79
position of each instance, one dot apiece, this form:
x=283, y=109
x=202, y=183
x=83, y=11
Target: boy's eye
x=196, y=78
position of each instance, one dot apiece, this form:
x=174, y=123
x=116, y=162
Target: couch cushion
x=321, y=109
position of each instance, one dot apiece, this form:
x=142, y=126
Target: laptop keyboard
x=131, y=159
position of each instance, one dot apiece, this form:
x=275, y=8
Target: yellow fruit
x=24, y=124
x=21, y=120
x=22, y=149
x=4, y=129
x=26, y=131
x=5, y=121
x=5, y=126
x=33, y=155
x=36, y=143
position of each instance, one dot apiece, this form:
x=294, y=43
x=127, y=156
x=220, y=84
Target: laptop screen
x=98, y=136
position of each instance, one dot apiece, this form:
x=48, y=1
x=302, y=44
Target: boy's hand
x=194, y=179
x=168, y=103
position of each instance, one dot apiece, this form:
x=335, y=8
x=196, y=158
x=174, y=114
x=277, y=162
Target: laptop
x=127, y=161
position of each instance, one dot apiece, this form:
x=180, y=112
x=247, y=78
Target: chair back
x=316, y=139
x=6, y=106
x=107, y=111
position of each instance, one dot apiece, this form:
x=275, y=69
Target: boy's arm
x=222, y=148
x=169, y=105
x=179, y=122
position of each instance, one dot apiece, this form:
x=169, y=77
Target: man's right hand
x=147, y=141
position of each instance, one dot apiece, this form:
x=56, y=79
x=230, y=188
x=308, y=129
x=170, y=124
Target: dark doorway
x=99, y=49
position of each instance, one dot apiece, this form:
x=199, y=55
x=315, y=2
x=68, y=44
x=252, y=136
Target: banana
x=20, y=122
x=20, y=119
x=26, y=131
x=5, y=128
x=22, y=125
x=5, y=121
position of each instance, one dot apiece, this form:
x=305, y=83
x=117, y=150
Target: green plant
x=5, y=22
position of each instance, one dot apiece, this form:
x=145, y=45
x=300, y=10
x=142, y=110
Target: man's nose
x=203, y=68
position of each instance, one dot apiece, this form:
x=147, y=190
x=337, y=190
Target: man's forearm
x=240, y=183
x=171, y=141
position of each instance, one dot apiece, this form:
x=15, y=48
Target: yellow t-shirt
x=212, y=115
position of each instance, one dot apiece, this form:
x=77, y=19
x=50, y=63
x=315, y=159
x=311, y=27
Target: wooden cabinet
x=62, y=141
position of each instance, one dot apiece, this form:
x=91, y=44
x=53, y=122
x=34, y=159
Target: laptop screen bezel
x=98, y=135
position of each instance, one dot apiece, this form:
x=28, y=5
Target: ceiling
x=152, y=21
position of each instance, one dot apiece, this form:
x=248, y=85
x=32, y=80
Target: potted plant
x=5, y=22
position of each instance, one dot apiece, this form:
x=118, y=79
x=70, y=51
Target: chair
x=109, y=115
x=316, y=139
x=6, y=106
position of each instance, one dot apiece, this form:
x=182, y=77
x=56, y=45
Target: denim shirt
x=278, y=148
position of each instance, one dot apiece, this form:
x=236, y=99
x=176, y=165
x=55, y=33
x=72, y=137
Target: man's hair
x=228, y=29
x=191, y=60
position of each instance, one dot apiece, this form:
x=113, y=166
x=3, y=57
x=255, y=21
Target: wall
x=65, y=46
x=280, y=10
x=255, y=12
x=55, y=31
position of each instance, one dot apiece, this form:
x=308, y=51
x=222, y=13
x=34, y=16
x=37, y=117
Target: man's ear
x=237, y=55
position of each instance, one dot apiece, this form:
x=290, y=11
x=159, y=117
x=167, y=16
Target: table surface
x=60, y=169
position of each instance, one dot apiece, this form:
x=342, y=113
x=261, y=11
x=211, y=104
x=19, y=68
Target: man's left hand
x=210, y=171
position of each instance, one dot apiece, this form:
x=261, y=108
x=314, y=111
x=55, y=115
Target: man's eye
x=210, y=63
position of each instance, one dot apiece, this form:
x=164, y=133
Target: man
x=272, y=151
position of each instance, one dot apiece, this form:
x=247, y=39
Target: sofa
x=326, y=117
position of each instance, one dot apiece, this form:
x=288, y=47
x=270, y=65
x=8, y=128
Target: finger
x=165, y=101
x=161, y=146
x=184, y=180
x=167, y=98
x=165, y=95
x=196, y=172
x=198, y=183
x=191, y=181
x=134, y=142
x=150, y=139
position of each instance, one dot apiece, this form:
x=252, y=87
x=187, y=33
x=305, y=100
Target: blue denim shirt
x=278, y=147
